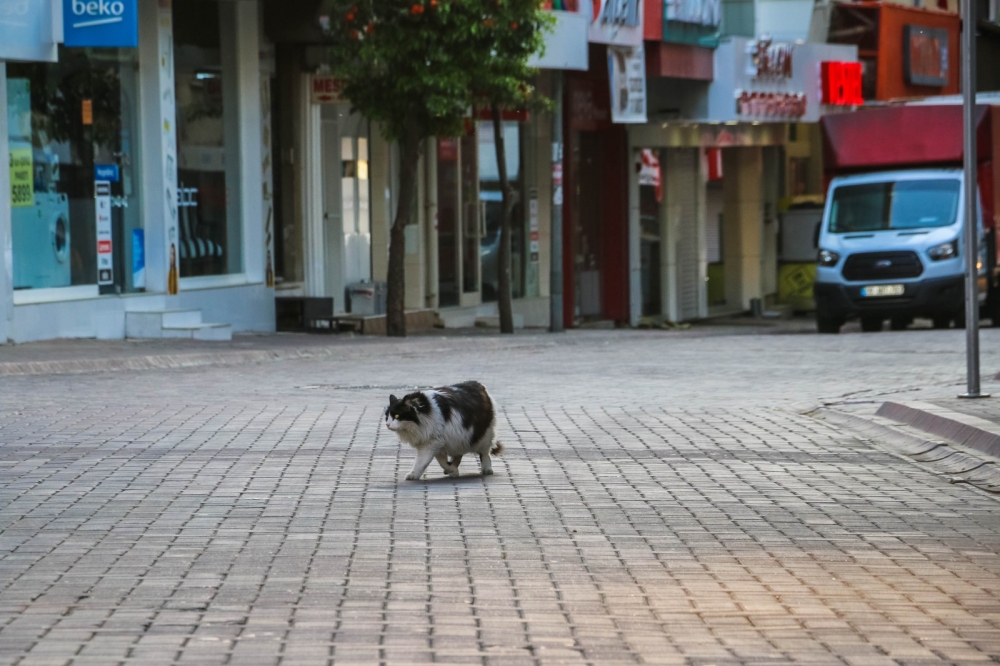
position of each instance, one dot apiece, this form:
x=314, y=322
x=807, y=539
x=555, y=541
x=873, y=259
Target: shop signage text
x=841, y=83
x=327, y=90
x=102, y=206
x=108, y=23
x=767, y=60
x=771, y=105
x=925, y=55
x=617, y=22
x=22, y=179
x=700, y=12
x=627, y=76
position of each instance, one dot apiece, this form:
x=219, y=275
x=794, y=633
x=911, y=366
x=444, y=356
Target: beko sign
x=100, y=23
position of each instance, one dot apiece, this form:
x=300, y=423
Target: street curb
x=963, y=429
x=939, y=458
x=162, y=361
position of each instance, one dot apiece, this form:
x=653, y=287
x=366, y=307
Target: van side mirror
x=816, y=235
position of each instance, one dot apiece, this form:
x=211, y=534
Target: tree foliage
x=417, y=68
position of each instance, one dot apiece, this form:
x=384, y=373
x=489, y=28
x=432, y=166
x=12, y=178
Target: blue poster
x=139, y=258
x=101, y=23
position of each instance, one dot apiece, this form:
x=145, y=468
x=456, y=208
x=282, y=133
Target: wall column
x=157, y=122
x=742, y=224
x=311, y=178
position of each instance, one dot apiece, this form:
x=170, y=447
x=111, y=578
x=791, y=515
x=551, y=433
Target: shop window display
x=73, y=171
x=209, y=217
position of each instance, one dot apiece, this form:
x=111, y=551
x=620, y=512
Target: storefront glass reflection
x=73, y=170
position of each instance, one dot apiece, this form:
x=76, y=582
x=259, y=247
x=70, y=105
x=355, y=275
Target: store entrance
x=460, y=222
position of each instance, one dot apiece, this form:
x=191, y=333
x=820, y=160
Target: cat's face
x=402, y=415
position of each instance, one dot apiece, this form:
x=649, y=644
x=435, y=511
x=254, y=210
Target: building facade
x=139, y=202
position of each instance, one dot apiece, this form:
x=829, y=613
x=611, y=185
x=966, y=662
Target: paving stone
x=661, y=499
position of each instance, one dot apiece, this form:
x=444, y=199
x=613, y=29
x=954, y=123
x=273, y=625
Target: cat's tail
x=497, y=448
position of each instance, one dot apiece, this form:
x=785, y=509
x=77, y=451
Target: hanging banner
x=627, y=74
x=102, y=205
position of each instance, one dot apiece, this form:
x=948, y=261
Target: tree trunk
x=396, y=296
x=505, y=296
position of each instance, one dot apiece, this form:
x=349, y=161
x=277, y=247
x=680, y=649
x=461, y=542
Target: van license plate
x=883, y=290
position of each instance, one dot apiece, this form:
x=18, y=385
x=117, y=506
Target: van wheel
x=900, y=323
x=871, y=324
x=941, y=321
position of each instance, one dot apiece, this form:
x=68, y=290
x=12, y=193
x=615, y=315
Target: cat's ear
x=393, y=400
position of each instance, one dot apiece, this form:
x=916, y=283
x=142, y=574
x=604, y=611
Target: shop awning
x=900, y=137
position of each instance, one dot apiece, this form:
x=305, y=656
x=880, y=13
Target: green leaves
x=421, y=64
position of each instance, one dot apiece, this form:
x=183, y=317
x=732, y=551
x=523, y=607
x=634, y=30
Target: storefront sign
x=841, y=83
x=770, y=105
x=925, y=55
x=110, y=23
x=649, y=171
x=108, y=172
x=616, y=22
x=22, y=180
x=767, y=60
x=447, y=149
x=533, y=229
x=627, y=75
x=693, y=22
x=102, y=205
x=327, y=90
x=761, y=81
x=700, y=12
x=28, y=29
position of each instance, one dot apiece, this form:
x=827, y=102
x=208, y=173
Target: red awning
x=900, y=137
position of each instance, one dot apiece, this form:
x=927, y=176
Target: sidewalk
x=78, y=356
x=954, y=436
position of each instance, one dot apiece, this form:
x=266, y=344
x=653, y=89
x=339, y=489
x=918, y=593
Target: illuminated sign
x=841, y=83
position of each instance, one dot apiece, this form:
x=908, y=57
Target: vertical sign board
x=107, y=23
x=102, y=205
x=533, y=229
x=627, y=73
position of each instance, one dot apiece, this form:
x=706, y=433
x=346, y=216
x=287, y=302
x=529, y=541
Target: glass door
x=460, y=221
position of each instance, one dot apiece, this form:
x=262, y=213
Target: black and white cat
x=446, y=423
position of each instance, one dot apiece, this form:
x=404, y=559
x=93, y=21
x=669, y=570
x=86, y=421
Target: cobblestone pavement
x=662, y=499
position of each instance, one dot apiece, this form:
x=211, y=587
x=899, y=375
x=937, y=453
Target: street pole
x=556, y=237
x=971, y=196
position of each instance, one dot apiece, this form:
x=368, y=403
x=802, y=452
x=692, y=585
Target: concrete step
x=493, y=321
x=150, y=323
x=199, y=332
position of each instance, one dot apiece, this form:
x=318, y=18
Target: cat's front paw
x=451, y=472
x=487, y=472
x=412, y=477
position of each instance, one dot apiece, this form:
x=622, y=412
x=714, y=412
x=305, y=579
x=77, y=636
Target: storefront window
x=209, y=220
x=74, y=170
x=491, y=198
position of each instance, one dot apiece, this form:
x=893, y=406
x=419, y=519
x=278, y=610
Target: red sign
x=713, y=156
x=769, y=60
x=447, y=149
x=327, y=90
x=103, y=247
x=841, y=83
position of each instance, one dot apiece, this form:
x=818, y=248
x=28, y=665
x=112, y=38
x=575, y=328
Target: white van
x=891, y=246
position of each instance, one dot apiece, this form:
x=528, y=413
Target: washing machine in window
x=41, y=242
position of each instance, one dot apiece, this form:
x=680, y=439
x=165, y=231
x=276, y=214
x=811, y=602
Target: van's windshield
x=904, y=204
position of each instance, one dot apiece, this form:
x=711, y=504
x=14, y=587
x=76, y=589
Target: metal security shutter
x=683, y=169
